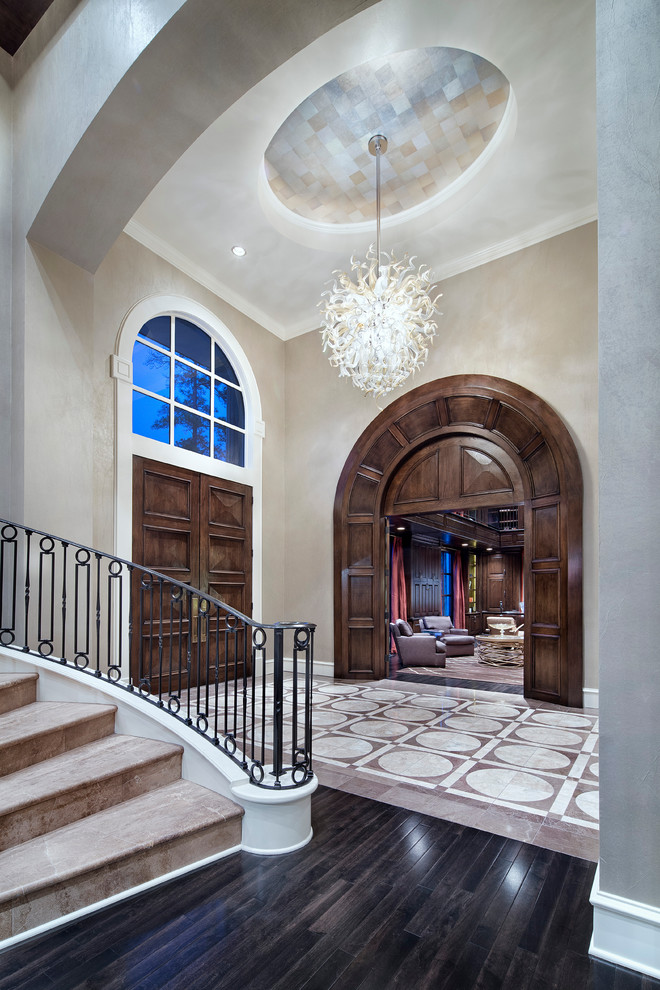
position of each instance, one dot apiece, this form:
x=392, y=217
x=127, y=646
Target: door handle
x=200, y=607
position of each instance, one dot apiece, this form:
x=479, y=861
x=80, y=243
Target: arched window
x=186, y=392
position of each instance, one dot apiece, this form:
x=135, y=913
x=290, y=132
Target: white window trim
x=127, y=444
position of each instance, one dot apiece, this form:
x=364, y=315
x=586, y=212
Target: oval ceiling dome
x=438, y=107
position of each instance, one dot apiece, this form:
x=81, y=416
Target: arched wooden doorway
x=416, y=452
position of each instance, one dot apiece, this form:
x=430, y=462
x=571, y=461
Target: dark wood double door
x=195, y=529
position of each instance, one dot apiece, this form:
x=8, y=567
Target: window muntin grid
x=186, y=392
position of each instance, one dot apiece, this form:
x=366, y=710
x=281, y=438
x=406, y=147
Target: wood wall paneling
x=420, y=483
x=545, y=478
x=419, y=432
x=481, y=474
x=514, y=426
x=360, y=544
x=471, y=409
x=544, y=667
x=363, y=495
x=385, y=449
x=360, y=596
x=545, y=527
x=360, y=651
x=425, y=580
x=419, y=421
x=546, y=592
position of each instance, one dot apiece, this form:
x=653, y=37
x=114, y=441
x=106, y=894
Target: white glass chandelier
x=379, y=327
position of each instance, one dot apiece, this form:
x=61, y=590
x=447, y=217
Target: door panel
x=196, y=529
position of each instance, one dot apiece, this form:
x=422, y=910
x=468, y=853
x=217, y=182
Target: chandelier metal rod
x=378, y=204
x=377, y=146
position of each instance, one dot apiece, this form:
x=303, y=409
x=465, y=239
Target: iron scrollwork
x=199, y=660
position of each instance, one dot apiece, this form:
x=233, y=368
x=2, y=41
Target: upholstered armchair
x=417, y=649
x=441, y=623
x=457, y=642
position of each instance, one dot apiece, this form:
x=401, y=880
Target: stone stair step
x=113, y=851
x=47, y=728
x=73, y=785
x=17, y=690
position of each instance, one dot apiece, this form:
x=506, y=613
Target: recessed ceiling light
x=401, y=528
x=489, y=548
x=238, y=251
x=465, y=544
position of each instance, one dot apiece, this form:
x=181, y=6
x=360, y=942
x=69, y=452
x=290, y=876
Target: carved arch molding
x=465, y=440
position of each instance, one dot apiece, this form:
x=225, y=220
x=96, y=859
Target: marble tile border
x=545, y=794
x=419, y=746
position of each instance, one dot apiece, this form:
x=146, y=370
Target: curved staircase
x=86, y=814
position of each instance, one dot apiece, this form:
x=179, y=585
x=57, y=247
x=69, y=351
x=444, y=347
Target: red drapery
x=399, y=602
x=459, y=593
x=398, y=598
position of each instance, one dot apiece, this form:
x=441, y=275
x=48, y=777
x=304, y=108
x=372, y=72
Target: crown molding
x=169, y=253
x=553, y=228
x=543, y=232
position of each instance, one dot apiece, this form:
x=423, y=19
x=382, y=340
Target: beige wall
x=531, y=318
x=72, y=322
x=5, y=293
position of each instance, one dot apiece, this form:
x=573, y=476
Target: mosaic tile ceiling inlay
x=438, y=108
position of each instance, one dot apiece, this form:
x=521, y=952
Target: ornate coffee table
x=501, y=651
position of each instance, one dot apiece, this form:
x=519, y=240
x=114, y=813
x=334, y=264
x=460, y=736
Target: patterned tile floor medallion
x=497, y=762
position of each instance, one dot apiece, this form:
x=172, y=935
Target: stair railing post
x=278, y=703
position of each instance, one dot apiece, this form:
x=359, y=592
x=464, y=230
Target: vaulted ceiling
x=489, y=112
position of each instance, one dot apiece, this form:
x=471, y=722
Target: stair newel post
x=278, y=703
x=309, y=674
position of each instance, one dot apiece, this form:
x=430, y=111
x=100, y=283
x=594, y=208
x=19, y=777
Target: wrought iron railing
x=204, y=663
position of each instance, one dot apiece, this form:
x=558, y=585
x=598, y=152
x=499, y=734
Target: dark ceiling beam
x=17, y=18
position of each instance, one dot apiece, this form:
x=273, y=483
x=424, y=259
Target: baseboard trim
x=625, y=932
x=590, y=697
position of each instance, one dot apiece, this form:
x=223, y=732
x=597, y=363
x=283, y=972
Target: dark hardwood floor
x=381, y=898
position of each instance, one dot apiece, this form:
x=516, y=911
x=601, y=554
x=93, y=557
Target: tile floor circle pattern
x=341, y=689
x=594, y=768
x=493, y=711
x=341, y=747
x=548, y=737
x=410, y=714
x=354, y=705
x=379, y=728
x=510, y=785
x=319, y=699
x=450, y=742
x=562, y=720
x=473, y=723
x=382, y=694
x=328, y=718
x=588, y=802
x=534, y=757
x=407, y=763
x=439, y=704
